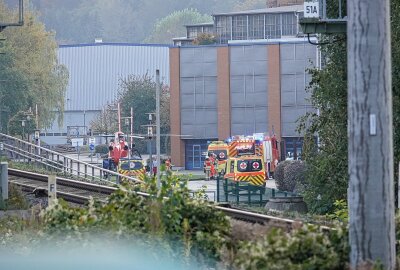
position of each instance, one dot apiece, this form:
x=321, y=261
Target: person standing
x=168, y=164
x=155, y=167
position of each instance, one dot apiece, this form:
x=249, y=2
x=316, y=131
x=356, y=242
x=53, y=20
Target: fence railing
x=238, y=192
x=27, y=152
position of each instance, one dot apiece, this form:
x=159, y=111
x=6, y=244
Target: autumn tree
x=139, y=92
x=106, y=121
x=30, y=73
x=77, y=21
x=249, y=5
x=173, y=25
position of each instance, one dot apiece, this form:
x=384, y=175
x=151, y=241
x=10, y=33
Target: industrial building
x=253, y=80
x=94, y=74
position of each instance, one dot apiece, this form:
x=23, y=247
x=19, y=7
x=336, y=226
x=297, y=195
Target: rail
x=234, y=213
x=31, y=153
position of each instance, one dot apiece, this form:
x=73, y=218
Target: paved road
x=211, y=187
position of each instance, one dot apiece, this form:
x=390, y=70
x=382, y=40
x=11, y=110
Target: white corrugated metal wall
x=95, y=71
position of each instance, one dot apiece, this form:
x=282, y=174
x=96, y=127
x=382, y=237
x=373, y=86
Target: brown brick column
x=223, y=93
x=274, y=89
x=177, y=145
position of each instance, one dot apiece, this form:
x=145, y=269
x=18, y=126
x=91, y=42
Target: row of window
x=257, y=26
x=193, y=31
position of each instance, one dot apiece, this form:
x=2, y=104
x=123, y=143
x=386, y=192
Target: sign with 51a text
x=311, y=9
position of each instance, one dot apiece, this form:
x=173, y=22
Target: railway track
x=70, y=190
x=79, y=192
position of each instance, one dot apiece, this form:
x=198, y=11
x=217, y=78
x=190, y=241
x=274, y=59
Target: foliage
x=101, y=149
x=139, y=92
x=249, y=5
x=106, y=121
x=15, y=125
x=205, y=39
x=327, y=175
x=29, y=72
x=173, y=25
x=341, y=211
x=290, y=175
x=179, y=217
x=304, y=248
x=16, y=199
x=279, y=174
x=78, y=21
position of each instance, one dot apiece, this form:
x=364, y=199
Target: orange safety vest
x=207, y=164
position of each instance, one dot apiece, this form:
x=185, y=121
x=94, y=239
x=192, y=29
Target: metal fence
x=236, y=192
x=26, y=152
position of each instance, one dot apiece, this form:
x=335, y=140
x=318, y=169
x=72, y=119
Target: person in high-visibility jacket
x=168, y=164
x=213, y=171
x=207, y=168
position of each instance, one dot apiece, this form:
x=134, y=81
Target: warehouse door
x=197, y=156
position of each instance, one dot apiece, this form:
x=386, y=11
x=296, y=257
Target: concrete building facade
x=237, y=89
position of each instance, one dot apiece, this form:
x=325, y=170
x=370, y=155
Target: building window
x=239, y=27
x=223, y=28
x=208, y=29
x=292, y=148
x=273, y=26
x=192, y=32
x=289, y=24
x=256, y=26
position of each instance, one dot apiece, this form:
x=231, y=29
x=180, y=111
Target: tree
x=250, y=4
x=106, y=121
x=77, y=21
x=31, y=74
x=20, y=125
x=174, y=25
x=139, y=92
x=327, y=175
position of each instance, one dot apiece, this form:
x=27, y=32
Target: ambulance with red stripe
x=220, y=150
x=259, y=144
x=248, y=168
x=251, y=158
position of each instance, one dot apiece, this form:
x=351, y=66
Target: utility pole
x=131, y=141
x=158, y=129
x=37, y=131
x=371, y=187
x=150, y=133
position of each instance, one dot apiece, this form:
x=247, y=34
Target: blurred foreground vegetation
x=184, y=227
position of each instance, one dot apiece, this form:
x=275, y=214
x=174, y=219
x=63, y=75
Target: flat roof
x=182, y=39
x=200, y=24
x=285, y=9
x=112, y=44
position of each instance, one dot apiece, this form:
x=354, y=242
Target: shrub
x=101, y=149
x=290, y=175
x=180, y=217
x=294, y=175
x=341, y=211
x=279, y=174
x=304, y=248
